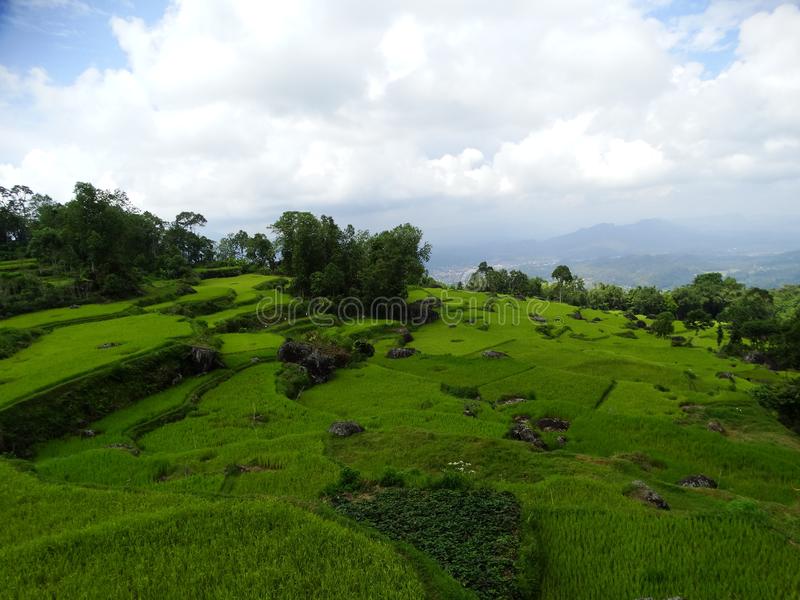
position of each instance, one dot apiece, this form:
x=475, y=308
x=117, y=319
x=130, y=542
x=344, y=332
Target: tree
x=605, y=296
x=233, y=247
x=182, y=239
x=646, y=300
x=15, y=219
x=395, y=259
x=753, y=305
x=562, y=275
x=698, y=319
x=261, y=252
x=664, y=325
x=518, y=283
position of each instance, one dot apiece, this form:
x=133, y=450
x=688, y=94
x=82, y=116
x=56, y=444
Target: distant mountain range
x=651, y=252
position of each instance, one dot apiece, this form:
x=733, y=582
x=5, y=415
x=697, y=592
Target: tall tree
x=563, y=276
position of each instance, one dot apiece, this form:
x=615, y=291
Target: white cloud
x=241, y=109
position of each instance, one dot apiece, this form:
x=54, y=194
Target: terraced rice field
x=235, y=474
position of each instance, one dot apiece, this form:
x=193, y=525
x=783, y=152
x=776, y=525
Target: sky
x=473, y=120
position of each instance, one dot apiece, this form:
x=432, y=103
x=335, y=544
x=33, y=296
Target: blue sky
x=65, y=37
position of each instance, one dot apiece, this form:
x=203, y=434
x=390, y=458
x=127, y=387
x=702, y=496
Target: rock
x=401, y=352
x=320, y=366
x=345, y=428
x=204, y=359
x=715, y=426
x=725, y=375
x=255, y=360
x=698, y=481
x=539, y=319
x=108, y=345
x=364, y=348
x=405, y=336
x=522, y=431
x=494, y=354
x=577, y=315
x=421, y=311
x=126, y=447
x=509, y=401
x=74, y=306
x=87, y=433
x=678, y=341
x=520, y=297
x=319, y=362
x=641, y=491
x=469, y=412
x=294, y=352
x=552, y=424
x=561, y=440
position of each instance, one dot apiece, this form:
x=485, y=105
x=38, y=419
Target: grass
x=247, y=550
x=58, y=316
x=70, y=351
x=233, y=472
x=612, y=555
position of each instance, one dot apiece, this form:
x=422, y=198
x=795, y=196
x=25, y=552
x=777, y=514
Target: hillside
x=543, y=469
x=649, y=252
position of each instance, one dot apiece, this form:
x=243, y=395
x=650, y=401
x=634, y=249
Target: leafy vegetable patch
x=474, y=535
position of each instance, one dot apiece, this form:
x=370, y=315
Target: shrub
x=291, y=380
x=392, y=478
x=349, y=481
x=14, y=340
x=784, y=399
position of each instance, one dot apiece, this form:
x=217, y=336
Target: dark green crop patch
x=473, y=535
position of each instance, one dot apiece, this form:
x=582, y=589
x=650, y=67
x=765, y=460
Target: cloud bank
x=457, y=116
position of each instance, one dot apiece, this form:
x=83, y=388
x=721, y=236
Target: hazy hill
x=652, y=251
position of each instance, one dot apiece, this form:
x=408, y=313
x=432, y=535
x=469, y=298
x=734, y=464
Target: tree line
x=98, y=245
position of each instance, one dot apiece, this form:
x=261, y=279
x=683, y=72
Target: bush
x=784, y=399
x=392, y=478
x=291, y=380
x=349, y=482
x=14, y=340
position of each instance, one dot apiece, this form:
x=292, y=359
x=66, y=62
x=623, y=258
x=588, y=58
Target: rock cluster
x=401, y=352
x=319, y=362
x=345, y=428
x=642, y=492
x=522, y=431
x=552, y=424
x=494, y=354
x=698, y=481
